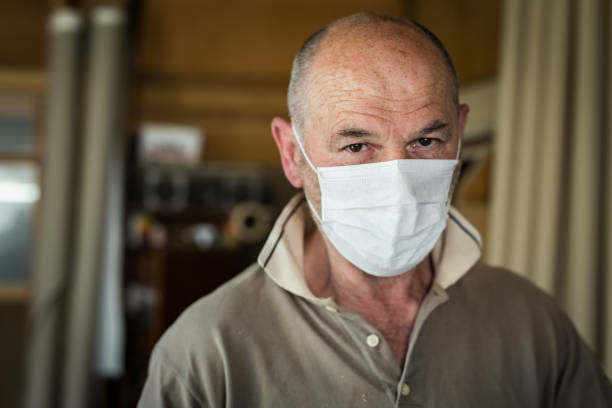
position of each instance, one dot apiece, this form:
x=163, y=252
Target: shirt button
x=331, y=309
x=372, y=340
x=405, y=390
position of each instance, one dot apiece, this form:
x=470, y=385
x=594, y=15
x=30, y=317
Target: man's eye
x=425, y=142
x=356, y=147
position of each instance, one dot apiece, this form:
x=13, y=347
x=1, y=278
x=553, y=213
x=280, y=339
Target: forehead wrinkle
x=386, y=76
x=376, y=92
x=384, y=90
x=341, y=116
x=388, y=104
x=379, y=105
x=381, y=76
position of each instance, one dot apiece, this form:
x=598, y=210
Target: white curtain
x=551, y=203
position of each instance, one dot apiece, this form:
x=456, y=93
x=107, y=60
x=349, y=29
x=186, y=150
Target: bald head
x=347, y=41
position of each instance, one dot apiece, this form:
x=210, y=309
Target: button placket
x=433, y=299
x=382, y=366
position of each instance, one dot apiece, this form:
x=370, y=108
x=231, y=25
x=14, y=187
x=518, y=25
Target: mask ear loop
x=450, y=193
x=458, y=149
x=299, y=142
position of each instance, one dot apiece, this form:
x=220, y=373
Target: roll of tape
x=249, y=222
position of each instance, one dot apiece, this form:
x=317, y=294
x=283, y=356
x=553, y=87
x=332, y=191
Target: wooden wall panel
x=235, y=117
x=234, y=39
x=469, y=30
x=195, y=97
x=22, y=33
x=238, y=138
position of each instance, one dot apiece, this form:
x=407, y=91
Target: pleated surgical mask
x=384, y=217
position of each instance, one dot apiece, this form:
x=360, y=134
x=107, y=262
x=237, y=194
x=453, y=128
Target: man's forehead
x=397, y=65
x=377, y=72
x=369, y=90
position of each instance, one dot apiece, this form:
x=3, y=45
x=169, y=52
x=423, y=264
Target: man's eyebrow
x=359, y=132
x=432, y=127
x=353, y=132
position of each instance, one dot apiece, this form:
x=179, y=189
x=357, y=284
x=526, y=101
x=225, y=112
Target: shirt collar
x=457, y=250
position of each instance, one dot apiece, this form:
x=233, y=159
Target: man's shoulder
x=224, y=306
x=188, y=362
x=502, y=283
x=504, y=313
x=497, y=313
x=197, y=345
x=503, y=293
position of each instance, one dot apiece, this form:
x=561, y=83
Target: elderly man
x=368, y=291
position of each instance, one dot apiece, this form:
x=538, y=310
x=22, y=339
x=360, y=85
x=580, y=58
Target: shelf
x=23, y=79
x=14, y=293
x=33, y=157
x=193, y=251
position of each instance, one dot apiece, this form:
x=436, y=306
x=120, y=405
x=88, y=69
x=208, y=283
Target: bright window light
x=19, y=192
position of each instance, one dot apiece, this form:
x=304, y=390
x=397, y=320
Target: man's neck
x=389, y=304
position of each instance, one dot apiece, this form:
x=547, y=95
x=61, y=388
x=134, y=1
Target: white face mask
x=384, y=217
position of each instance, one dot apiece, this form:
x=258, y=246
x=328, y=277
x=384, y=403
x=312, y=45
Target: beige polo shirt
x=483, y=337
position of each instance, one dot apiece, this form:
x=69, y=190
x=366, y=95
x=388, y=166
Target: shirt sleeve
x=165, y=387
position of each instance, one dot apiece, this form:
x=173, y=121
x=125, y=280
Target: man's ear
x=287, y=146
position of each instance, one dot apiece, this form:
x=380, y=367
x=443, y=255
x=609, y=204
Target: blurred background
x=138, y=173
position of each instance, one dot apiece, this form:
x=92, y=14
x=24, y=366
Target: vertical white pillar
x=101, y=128
x=52, y=243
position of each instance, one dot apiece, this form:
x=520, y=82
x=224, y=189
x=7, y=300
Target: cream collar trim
x=457, y=250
